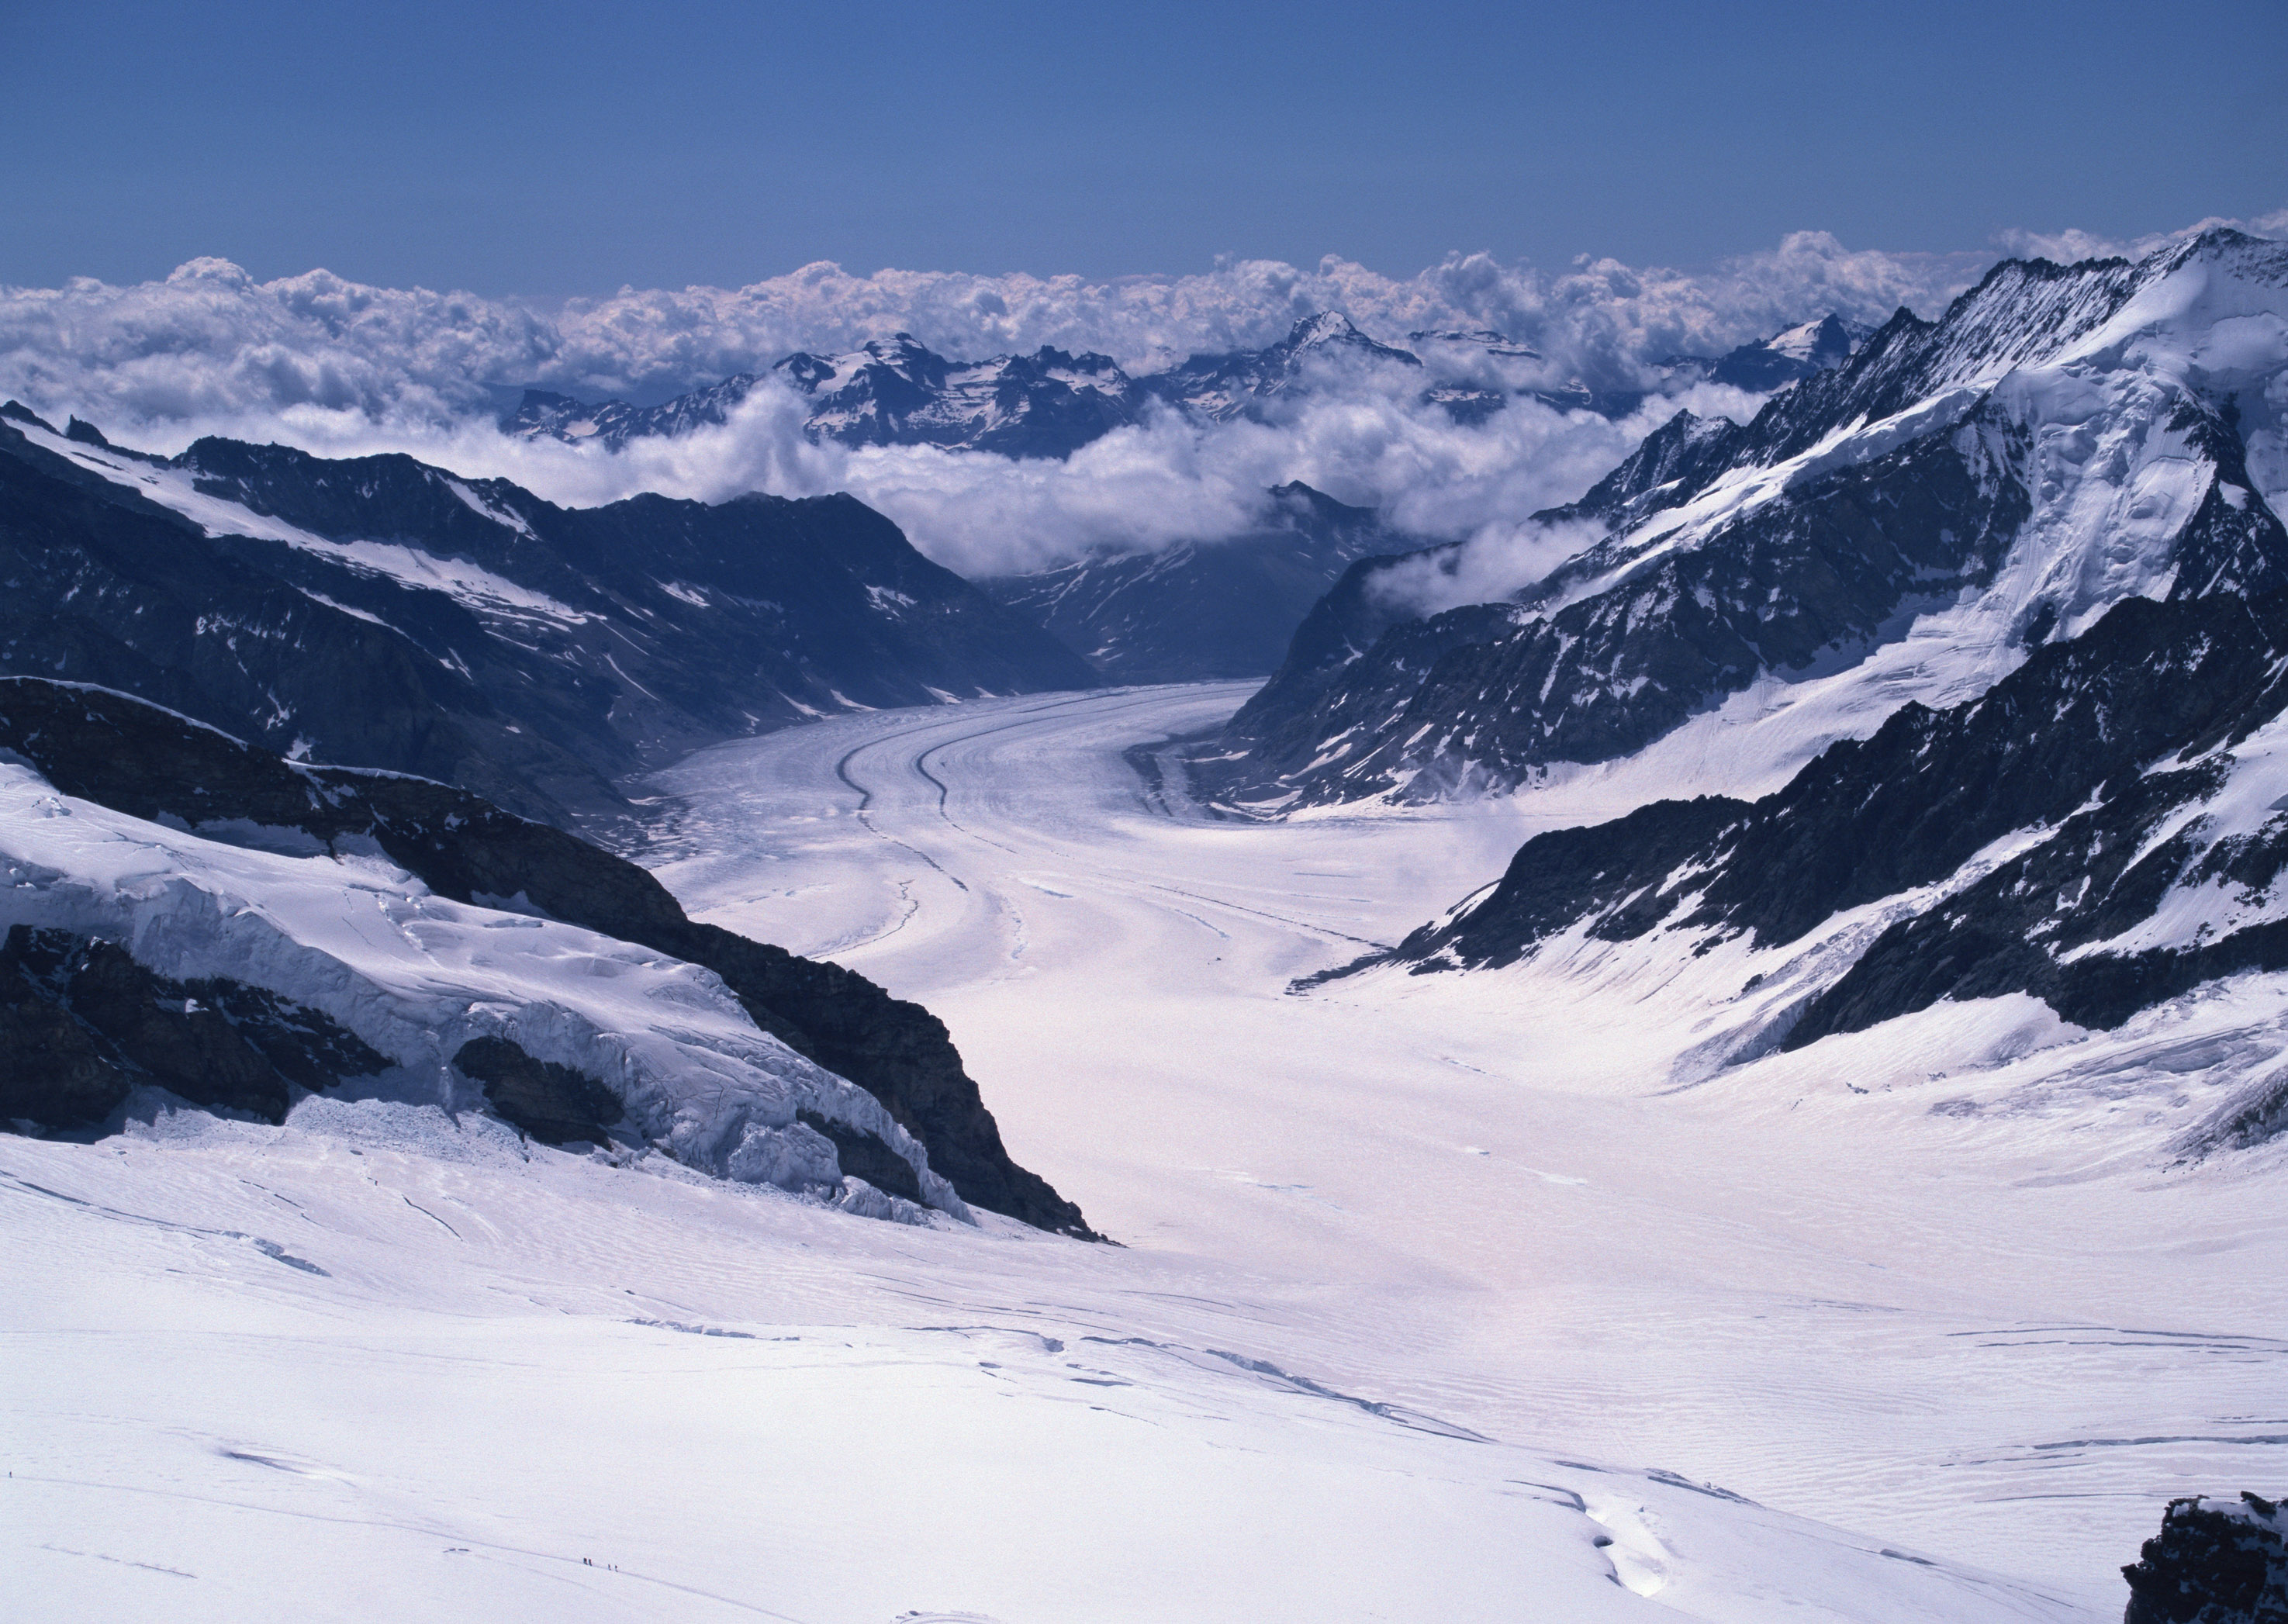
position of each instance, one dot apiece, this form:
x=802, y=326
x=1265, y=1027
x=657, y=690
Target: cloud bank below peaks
x=344, y=368
x=210, y=341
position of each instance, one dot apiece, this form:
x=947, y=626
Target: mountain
x=615, y=423
x=1201, y=610
x=898, y=392
x=2100, y=830
x=1049, y=404
x=1792, y=356
x=198, y=922
x=1237, y=383
x=378, y=611
x=1909, y=525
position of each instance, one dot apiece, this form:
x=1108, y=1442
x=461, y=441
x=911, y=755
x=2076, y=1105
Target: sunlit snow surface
x=1429, y=1285
x=1974, y=1306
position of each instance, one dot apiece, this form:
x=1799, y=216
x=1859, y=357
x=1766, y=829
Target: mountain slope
x=382, y=613
x=1048, y=404
x=2063, y=439
x=2103, y=831
x=273, y=832
x=1201, y=610
x=898, y=392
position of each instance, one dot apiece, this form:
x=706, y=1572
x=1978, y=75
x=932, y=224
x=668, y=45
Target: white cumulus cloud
x=340, y=368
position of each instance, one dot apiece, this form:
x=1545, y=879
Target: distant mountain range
x=1049, y=404
x=378, y=612
x=1191, y=611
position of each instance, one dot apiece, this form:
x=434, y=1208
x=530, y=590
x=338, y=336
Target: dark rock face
x=1198, y=611
x=864, y=1156
x=1644, y=629
x=1494, y=691
x=80, y=1022
x=897, y=1051
x=1774, y=363
x=470, y=632
x=2099, y=746
x=52, y=1069
x=128, y=755
x=2218, y=1564
x=554, y=1104
x=1240, y=383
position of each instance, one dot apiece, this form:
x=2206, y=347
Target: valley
x=1999, y=1338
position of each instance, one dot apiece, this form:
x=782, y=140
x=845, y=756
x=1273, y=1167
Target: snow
x=2083, y=414
x=502, y=517
x=1539, y=1256
x=417, y=976
x=471, y=584
x=1912, y=1324
x=1910, y=1282
x=1798, y=342
x=281, y=1374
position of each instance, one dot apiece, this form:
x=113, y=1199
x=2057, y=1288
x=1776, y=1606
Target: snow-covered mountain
x=1239, y=383
x=898, y=392
x=1201, y=610
x=1909, y=526
x=382, y=613
x=1792, y=356
x=185, y=913
x=1048, y=404
x=2101, y=831
x=615, y=423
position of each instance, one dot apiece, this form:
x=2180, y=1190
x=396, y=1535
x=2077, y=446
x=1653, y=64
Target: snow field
x=257, y=1373
x=2005, y=1329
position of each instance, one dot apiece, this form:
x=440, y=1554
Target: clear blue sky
x=569, y=147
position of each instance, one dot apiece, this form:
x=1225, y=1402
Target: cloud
x=1499, y=561
x=340, y=369
x=209, y=340
x=1368, y=440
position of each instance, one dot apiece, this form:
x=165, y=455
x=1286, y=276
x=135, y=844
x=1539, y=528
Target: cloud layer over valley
x=340, y=369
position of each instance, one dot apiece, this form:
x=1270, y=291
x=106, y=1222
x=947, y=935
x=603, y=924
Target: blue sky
x=572, y=147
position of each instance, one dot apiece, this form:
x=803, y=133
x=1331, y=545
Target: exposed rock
x=2099, y=751
x=1945, y=468
x=552, y=1102
x=80, y=1022
x=121, y=753
x=379, y=612
x=2213, y=1563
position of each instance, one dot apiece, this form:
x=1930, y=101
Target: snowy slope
x=2004, y=1331
x=383, y=613
x=2102, y=831
x=490, y=1387
x=2063, y=439
x=417, y=977
x=1429, y=1310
